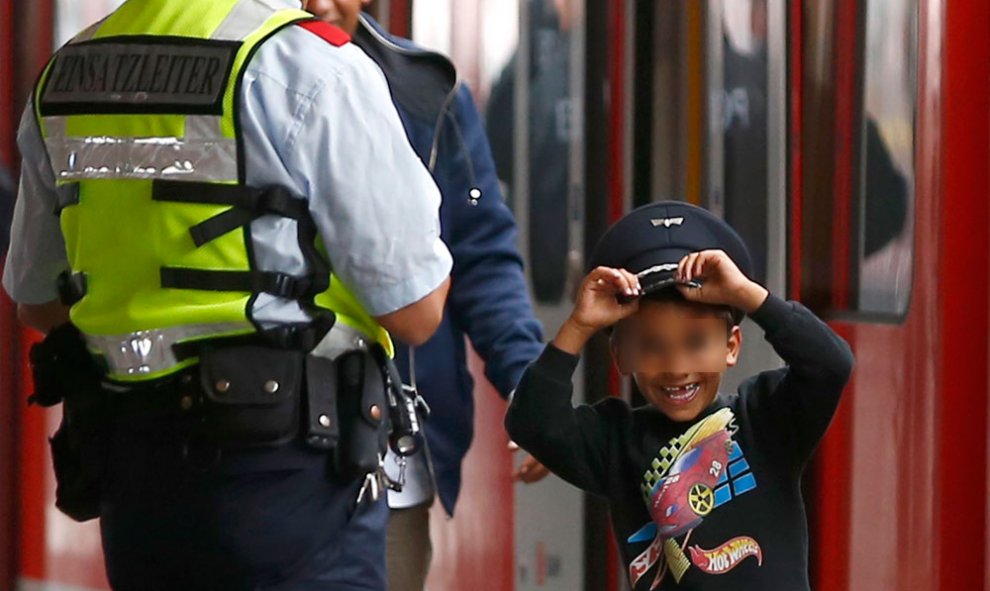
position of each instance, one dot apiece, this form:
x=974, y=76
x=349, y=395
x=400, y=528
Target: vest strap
x=271, y=282
x=71, y=287
x=247, y=204
x=302, y=337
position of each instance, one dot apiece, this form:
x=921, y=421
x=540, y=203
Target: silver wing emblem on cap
x=667, y=222
x=657, y=269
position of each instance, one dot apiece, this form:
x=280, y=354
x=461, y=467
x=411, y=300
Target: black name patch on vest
x=161, y=75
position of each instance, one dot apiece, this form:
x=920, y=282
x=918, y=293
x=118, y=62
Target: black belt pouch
x=78, y=458
x=64, y=371
x=252, y=395
x=361, y=406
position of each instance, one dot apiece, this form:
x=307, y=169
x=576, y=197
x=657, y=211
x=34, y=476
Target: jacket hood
x=421, y=80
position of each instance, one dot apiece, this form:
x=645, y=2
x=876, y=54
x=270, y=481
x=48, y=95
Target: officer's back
x=209, y=166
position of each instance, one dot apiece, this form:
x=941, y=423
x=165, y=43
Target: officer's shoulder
x=309, y=54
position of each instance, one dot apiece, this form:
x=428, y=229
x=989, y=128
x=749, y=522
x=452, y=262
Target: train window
x=538, y=152
x=744, y=125
x=884, y=239
x=857, y=149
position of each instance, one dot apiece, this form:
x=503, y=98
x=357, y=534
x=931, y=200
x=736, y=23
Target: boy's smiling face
x=677, y=352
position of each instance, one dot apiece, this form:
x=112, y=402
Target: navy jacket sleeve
x=489, y=299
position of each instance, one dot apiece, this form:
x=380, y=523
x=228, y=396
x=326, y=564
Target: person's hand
x=598, y=306
x=721, y=281
x=530, y=470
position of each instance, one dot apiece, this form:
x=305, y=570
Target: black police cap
x=651, y=240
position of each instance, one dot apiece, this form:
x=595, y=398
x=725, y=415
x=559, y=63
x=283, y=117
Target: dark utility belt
x=241, y=396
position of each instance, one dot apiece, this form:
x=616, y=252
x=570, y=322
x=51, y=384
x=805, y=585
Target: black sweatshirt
x=726, y=488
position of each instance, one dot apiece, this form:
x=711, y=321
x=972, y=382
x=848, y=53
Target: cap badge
x=658, y=269
x=667, y=222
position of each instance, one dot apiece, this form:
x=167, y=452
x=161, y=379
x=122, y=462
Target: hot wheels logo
x=727, y=556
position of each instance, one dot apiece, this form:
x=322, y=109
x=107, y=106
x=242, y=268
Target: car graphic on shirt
x=682, y=499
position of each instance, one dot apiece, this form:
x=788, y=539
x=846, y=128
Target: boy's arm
x=571, y=441
x=819, y=364
x=802, y=397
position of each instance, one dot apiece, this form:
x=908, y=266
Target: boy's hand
x=597, y=306
x=721, y=281
x=530, y=469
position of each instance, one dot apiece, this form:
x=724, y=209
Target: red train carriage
x=849, y=141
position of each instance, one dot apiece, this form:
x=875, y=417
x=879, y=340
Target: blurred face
x=677, y=356
x=343, y=13
x=563, y=9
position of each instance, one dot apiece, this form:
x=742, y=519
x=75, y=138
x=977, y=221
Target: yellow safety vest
x=139, y=114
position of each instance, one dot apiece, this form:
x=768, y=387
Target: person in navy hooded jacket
x=488, y=301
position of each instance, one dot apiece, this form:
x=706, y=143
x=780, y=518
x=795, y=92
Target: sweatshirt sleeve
x=803, y=397
x=571, y=441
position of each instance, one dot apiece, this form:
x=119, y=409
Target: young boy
x=703, y=487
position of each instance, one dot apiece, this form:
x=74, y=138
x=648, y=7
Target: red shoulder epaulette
x=324, y=30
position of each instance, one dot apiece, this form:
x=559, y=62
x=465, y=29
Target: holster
x=361, y=408
x=64, y=371
x=62, y=367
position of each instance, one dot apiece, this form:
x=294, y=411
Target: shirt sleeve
x=373, y=200
x=37, y=250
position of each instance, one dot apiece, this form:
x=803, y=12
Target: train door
x=8, y=332
x=524, y=61
x=893, y=214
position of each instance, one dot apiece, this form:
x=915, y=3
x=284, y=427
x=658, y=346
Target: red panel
x=9, y=413
x=616, y=197
x=400, y=18
x=8, y=115
x=616, y=115
x=8, y=384
x=834, y=460
x=475, y=549
x=615, y=174
x=34, y=494
x=795, y=66
x=916, y=347
x=846, y=122
x=830, y=552
x=964, y=282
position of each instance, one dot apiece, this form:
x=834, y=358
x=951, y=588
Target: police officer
x=196, y=181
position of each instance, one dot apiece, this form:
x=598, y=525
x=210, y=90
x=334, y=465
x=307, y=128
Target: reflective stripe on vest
x=150, y=94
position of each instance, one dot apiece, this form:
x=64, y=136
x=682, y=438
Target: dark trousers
x=181, y=517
